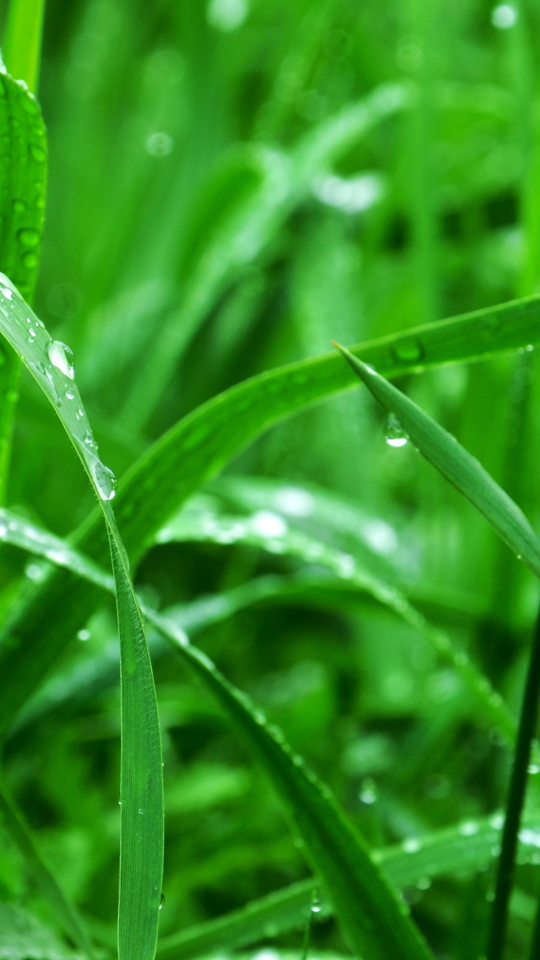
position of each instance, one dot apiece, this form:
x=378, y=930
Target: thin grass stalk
x=516, y=796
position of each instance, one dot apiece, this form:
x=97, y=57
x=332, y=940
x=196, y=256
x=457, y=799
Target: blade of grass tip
x=22, y=834
x=22, y=40
x=455, y=463
x=141, y=830
x=202, y=443
x=470, y=478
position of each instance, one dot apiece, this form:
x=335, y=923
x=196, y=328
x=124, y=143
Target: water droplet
x=105, y=480
x=394, y=432
x=408, y=350
x=141, y=810
x=69, y=394
x=28, y=238
x=37, y=153
x=34, y=572
x=32, y=335
x=316, y=905
x=18, y=206
x=469, y=829
x=61, y=356
x=6, y=292
x=30, y=260
x=79, y=413
x=83, y=635
x=424, y=883
x=533, y=768
x=268, y=524
x=161, y=901
x=368, y=793
x=411, y=845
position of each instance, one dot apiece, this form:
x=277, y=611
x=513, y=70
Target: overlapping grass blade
x=22, y=203
x=202, y=443
x=23, y=935
x=466, y=847
x=201, y=521
x=141, y=856
x=374, y=919
x=23, y=837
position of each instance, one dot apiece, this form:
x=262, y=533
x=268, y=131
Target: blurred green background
x=232, y=185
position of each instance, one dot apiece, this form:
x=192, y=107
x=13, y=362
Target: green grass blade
x=22, y=202
x=22, y=40
x=203, y=442
x=456, y=464
x=23, y=935
x=23, y=837
x=141, y=860
x=469, y=846
x=374, y=919
x=270, y=532
x=200, y=523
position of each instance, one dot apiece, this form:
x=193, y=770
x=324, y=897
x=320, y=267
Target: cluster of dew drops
x=61, y=357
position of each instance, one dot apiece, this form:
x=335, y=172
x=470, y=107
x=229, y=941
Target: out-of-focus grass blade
x=268, y=531
x=273, y=185
x=141, y=836
x=22, y=202
x=202, y=443
x=458, y=466
x=22, y=835
x=22, y=39
x=271, y=532
x=24, y=937
x=469, y=846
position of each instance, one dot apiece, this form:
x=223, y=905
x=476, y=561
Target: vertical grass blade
x=22, y=40
x=22, y=202
x=141, y=864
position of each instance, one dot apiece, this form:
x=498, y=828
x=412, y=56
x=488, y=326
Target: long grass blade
x=141, y=854
x=22, y=40
x=202, y=443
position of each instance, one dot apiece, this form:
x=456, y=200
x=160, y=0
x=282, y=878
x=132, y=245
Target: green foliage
x=235, y=184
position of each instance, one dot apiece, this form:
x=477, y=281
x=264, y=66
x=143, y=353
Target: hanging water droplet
x=61, y=356
x=161, y=901
x=105, y=480
x=316, y=905
x=394, y=433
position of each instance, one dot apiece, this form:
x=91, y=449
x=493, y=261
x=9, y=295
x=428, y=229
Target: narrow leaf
x=22, y=39
x=456, y=464
x=141, y=835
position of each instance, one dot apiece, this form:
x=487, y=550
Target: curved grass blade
x=201, y=444
x=469, y=846
x=23, y=837
x=270, y=532
x=141, y=843
x=373, y=918
x=456, y=464
x=22, y=202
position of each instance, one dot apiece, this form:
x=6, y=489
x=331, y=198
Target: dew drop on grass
x=408, y=351
x=69, y=394
x=83, y=635
x=141, y=810
x=28, y=238
x=6, y=292
x=394, y=432
x=61, y=357
x=316, y=905
x=105, y=480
